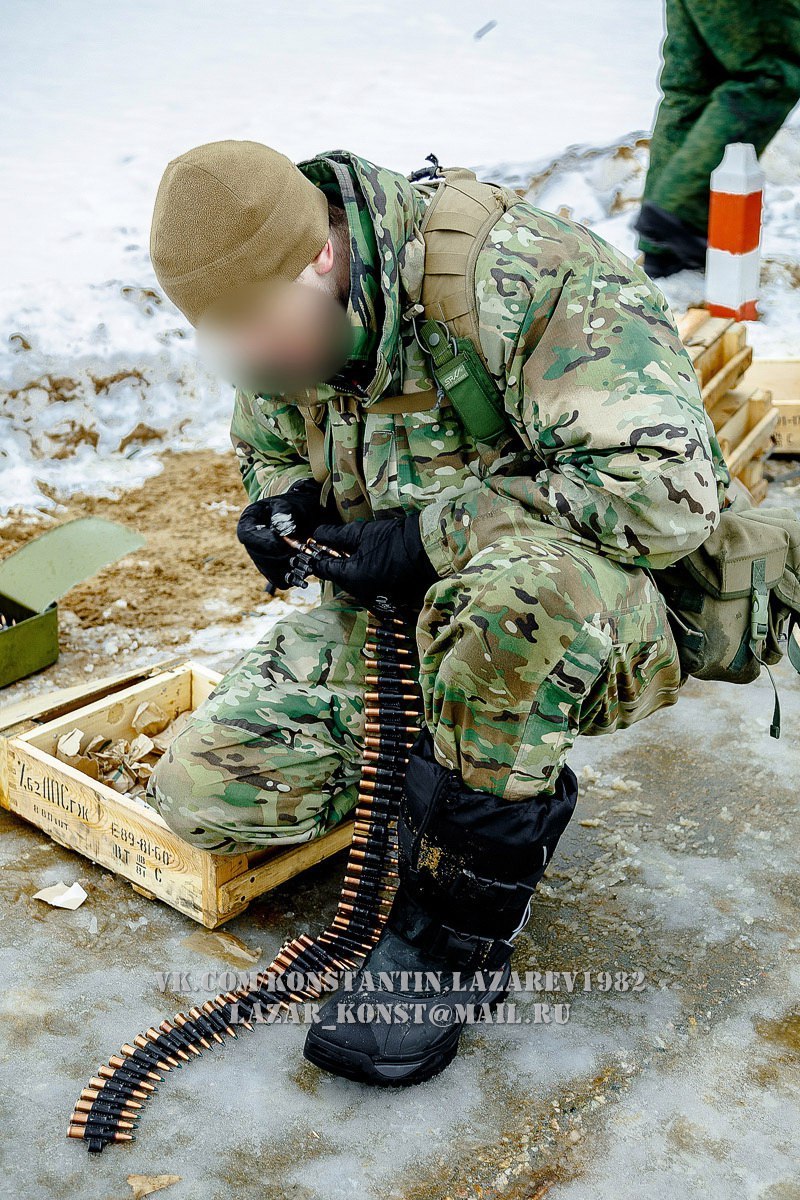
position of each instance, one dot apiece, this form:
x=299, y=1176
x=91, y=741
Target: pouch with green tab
x=734, y=603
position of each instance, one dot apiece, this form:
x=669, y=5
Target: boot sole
x=352, y=1064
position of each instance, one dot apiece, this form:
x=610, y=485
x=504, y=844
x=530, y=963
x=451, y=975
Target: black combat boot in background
x=469, y=863
x=669, y=244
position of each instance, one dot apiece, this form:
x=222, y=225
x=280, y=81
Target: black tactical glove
x=387, y=561
x=299, y=512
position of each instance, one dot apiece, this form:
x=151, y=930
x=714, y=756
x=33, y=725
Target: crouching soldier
x=489, y=410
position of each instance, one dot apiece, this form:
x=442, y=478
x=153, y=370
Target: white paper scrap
x=61, y=896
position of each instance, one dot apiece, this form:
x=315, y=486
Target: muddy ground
x=681, y=864
x=192, y=564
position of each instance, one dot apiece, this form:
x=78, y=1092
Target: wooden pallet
x=718, y=349
x=743, y=413
x=123, y=836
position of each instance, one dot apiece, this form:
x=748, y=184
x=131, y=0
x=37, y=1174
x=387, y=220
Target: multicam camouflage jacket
x=607, y=436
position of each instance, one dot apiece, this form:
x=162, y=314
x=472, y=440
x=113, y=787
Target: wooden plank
x=744, y=490
x=83, y=815
x=203, y=683
x=782, y=377
x=731, y=341
x=759, y=438
x=734, y=339
x=743, y=420
x=753, y=477
x=727, y=376
x=237, y=893
x=736, y=428
x=688, y=323
x=717, y=341
x=752, y=472
x=748, y=432
x=726, y=406
x=707, y=348
x=111, y=715
x=218, y=869
x=709, y=331
x=67, y=699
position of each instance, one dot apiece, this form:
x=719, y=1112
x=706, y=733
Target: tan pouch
x=732, y=601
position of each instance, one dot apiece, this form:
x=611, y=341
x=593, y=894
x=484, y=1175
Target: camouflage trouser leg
x=731, y=73
x=272, y=756
x=536, y=640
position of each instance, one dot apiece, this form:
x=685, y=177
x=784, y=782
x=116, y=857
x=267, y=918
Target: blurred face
x=279, y=336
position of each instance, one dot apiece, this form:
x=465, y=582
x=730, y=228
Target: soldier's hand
x=295, y=513
x=386, y=560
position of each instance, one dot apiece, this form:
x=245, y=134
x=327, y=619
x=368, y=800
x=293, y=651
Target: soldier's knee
x=180, y=794
x=521, y=574
x=518, y=599
x=222, y=789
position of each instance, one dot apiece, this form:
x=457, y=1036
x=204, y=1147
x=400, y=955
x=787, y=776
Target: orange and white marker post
x=733, y=257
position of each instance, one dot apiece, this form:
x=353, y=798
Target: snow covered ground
x=96, y=99
x=97, y=372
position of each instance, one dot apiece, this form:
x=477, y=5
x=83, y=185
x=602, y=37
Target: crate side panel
x=112, y=715
x=80, y=815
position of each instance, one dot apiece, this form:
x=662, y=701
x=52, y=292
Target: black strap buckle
x=469, y=886
x=426, y=172
x=467, y=950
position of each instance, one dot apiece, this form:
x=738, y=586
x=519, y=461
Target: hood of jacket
x=387, y=252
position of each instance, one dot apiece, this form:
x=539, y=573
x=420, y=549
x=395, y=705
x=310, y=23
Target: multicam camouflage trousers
x=535, y=641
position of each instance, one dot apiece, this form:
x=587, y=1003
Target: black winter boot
x=469, y=863
x=669, y=244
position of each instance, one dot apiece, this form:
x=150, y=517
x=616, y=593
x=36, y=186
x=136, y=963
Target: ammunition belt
x=109, y=1107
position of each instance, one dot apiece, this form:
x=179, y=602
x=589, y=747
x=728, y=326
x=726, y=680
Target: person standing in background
x=731, y=73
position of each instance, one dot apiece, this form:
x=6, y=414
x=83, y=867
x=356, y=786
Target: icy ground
x=680, y=862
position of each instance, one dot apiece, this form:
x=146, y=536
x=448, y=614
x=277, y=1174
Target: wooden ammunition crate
x=124, y=836
x=746, y=435
x=718, y=349
x=737, y=395
x=782, y=377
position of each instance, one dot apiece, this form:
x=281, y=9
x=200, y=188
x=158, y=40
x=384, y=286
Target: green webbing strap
x=466, y=382
x=759, y=614
x=315, y=441
x=759, y=627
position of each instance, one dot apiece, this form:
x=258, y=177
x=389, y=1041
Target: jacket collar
x=387, y=253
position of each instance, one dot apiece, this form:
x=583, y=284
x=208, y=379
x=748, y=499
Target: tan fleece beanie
x=232, y=213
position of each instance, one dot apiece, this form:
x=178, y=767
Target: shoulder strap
x=314, y=418
x=317, y=425
x=455, y=227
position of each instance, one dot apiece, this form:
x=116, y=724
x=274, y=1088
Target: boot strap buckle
x=469, y=949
